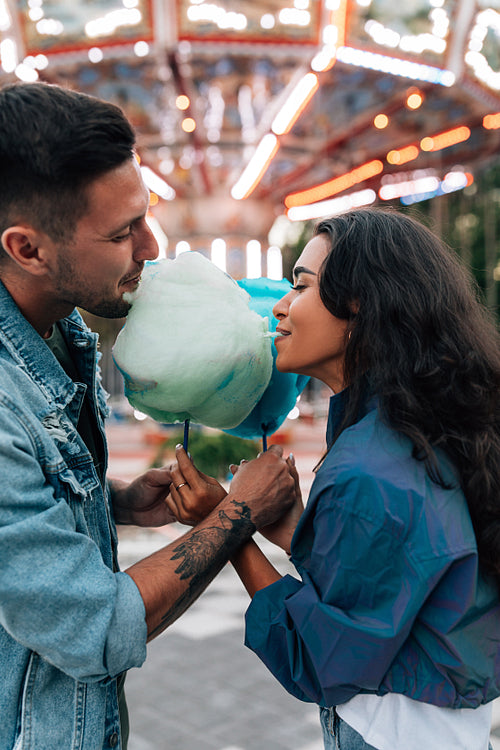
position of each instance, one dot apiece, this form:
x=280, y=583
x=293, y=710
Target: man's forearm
x=172, y=578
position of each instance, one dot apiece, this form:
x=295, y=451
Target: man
x=74, y=234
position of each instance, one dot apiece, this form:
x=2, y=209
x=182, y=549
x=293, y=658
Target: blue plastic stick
x=186, y=435
x=264, y=442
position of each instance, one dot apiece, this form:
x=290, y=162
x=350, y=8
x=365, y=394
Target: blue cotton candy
x=283, y=389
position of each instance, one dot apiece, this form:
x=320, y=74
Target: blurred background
x=254, y=119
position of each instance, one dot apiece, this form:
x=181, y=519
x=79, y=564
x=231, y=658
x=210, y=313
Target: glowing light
x=337, y=185
x=95, y=54
x=435, y=41
x=453, y=181
x=110, y=22
x=41, y=62
x=295, y=104
x=414, y=100
x=421, y=42
x=381, y=121
x=446, y=139
x=294, y=17
x=49, y=27
x=333, y=206
x=182, y=102
x=324, y=59
x=333, y=35
x=35, y=14
x=254, y=260
x=487, y=19
x=256, y=167
x=141, y=49
x=274, y=263
x=157, y=184
x=402, y=155
x=8, y=55
x=182, y=247
x=218, y=255
x=268, y=21
x=219, y=16
x=491, y=122
x=26, y=73
x=188, y=125
x=382, y=35
x=412, y=187
x=395, y=66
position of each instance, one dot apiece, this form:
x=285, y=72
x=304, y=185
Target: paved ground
x=200, y=688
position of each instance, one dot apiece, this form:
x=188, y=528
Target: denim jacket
x=69, y=624
x=391, y=598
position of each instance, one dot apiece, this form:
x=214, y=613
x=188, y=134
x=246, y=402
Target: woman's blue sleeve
x=335, y=633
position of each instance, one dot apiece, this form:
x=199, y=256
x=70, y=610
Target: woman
x=394, y=627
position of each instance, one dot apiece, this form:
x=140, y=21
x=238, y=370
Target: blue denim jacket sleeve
x=57, y=596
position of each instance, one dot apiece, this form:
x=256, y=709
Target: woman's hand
x=193, y=494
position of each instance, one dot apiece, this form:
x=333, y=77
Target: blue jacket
x=391, y=597
x=69, y=625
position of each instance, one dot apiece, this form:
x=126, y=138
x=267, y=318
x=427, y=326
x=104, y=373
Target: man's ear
x=28, y=248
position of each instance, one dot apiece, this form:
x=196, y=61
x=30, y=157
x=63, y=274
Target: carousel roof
x=247, y=110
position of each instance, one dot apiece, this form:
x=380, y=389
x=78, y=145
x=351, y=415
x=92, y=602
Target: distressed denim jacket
x=69, y=624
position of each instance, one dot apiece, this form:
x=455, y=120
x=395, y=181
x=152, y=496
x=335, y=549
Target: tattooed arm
x=172, y=578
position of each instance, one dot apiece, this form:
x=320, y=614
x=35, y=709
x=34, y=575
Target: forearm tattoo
x=204, y=553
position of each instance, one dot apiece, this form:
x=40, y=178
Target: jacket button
x=113, y=740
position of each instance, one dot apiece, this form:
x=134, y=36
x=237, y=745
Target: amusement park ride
x=251, y=110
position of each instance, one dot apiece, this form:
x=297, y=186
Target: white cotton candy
x=191, y=347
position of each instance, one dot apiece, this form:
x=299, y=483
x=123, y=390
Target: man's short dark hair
x=53, y=143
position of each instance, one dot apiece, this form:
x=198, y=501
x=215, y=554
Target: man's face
x=111, y=242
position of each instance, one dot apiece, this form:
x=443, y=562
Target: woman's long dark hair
x=429, y=347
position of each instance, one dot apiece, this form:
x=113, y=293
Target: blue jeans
x=338, y=735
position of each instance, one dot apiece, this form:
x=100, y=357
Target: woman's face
x=311, y=340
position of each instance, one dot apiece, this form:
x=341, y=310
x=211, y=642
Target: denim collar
x=338, y=404
x=29, y=350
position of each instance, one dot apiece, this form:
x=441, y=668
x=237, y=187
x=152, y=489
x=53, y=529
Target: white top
x=395, y=721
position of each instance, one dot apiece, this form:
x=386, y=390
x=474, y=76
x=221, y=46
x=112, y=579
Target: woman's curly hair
x=428, y=346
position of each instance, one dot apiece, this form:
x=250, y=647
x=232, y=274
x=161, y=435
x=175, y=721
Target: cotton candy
x=191, y=347
x=281, y=393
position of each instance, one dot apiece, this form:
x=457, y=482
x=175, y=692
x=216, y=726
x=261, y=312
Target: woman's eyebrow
x=302, y=269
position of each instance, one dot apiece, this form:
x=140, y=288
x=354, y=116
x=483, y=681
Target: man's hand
x=193, y=495
x=281, y=531
x=142, y=502
x=267, y=486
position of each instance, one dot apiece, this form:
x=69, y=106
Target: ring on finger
x=182, y=484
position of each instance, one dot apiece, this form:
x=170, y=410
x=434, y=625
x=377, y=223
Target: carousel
x=253, y=116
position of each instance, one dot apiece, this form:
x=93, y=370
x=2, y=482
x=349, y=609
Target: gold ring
x=180, y=485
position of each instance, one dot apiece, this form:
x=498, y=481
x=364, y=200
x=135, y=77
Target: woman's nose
x=280, y=308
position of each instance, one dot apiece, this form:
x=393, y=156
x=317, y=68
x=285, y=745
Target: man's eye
x=122, y=237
